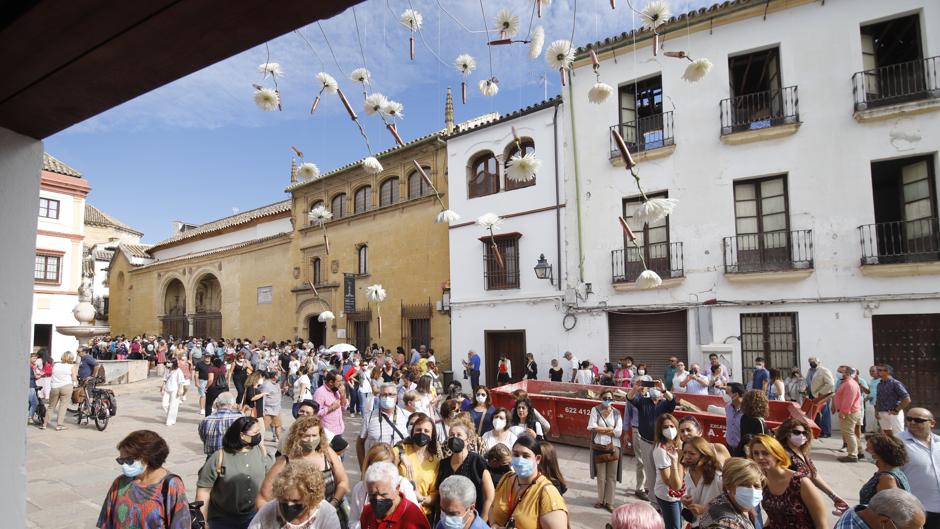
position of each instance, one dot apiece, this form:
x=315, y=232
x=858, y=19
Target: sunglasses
x=799, y=432
x=125, y=460
x=918, y=420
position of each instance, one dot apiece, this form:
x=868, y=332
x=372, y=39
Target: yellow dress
x=424, y=472
x=541, y=498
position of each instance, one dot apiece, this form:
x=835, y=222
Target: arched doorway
x=316, y=331
x=174, y=310
x=207, y=320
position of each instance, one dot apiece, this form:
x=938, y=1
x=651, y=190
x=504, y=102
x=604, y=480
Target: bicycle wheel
x=79, y=416
x=101, y=416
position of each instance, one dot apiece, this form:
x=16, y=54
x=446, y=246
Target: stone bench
x=124, y=371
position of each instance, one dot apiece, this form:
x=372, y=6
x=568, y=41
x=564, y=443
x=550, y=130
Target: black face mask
x=501, y=470
x=380, y=506
x=255, y=440
x=421, y=438
x=813, y=364
x=290, y=511
x=456, y=444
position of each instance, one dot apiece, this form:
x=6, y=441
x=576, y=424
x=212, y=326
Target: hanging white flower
x=488, y=87
x=326, y=316
x=560, y=54
x=600, y=92
x=490, y=221
x=308, y=171
x=654, y=210
x=447, y=216
x=648, y=279
x=411, y=19
x=271, y=68
x=372, y=165
x=267, y=99
x=393, y=109
x=697, y=70
x=319, y=215
x=507, y=23
x=360, y=75
x=656, y=13
x=327, y=83
x=374, y=103
x=523, y=168
x=465, y=64
x=536, y=42
x=375, y=293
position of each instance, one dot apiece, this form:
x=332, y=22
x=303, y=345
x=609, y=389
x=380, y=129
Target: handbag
x=603, y=453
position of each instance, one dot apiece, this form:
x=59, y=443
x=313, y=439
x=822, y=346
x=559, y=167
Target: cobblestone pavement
x=69, y=472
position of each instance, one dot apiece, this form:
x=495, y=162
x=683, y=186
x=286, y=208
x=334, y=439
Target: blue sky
x=199, y=149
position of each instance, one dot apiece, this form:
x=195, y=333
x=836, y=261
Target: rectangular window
x=363, y=260
x=47, y=268
x=653, y=240
x=762, y=224
x=907, y=228
x=420, y=332
x=773, y=336
x=501, y=264
x=48, y=208
x=758, y=99
x=362, y=335
x=894, y=68
x=641, y=115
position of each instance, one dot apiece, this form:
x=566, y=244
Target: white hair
x=382, y=472
x=458, y=488
x=226, y=399
x=898, y=505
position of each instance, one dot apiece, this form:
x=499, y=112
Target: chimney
x=293, y=170
x=449, y=113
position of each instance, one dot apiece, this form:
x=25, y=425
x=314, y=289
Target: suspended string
x=457, y=20
x=532, y=18
x=330, y=46
x=314, y=50
x=425, y=42
x=362, y=50
x=489, y=48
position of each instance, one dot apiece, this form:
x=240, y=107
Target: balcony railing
x=896, y=83
x=645, y=134
x=760, y=110
x=769, y=251
x=900, y=241
x=663, y=258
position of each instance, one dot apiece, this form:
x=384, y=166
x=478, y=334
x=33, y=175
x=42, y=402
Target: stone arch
x=205, y=304
x=307, y=312
x=173, y=307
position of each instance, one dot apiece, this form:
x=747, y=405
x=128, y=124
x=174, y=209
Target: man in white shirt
x=694, y=382
x=386, y=424
x=680, y=376
x=923, y=461
x=573, y=363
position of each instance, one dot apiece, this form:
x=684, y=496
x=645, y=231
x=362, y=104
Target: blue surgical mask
x=387, y=403
x=132, y=470
x=607, y=403
x=523, y=467
x=452, y=522
x=748, y=497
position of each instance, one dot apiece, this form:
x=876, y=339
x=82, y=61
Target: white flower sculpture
x=411, y=19
x=319, y=215
x=447, y=216
x=507, y=23
x=490, y=221
x=697, y=70
x=599, y=93
x=375, y=293
x=465, y=64
x=560, y=54
x=267, y=99
x=393, y=109
x=308, y=171
x=361, y=76
x=374, y=103
x=372, y=165
x=271, y=68
x=648, y=279
x=656, y=13
x=489, y=87
x=654, y=210
x=326, y=316
x=522, y=168
x=328, y=84
x=536, y=42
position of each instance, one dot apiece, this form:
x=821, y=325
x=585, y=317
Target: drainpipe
x=557, y=196
x=577, y=182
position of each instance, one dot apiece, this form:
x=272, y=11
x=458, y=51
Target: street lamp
x=543, y=270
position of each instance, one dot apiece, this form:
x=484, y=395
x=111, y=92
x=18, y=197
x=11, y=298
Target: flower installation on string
x=539, y=4
x=465, y=65
x=374, y=103
x=372, y=165
x=326, y=316
x=491, y=222
x=697, y=70
x=446, y=216
x=268, y=99
x=600, y=91
x=412, y=20
x=536, y=41
x=520, y=168
x=318, y=217
x=489, y=87
x=560, y=55
x=507, y=24
x=307, y=171
x=654, y=15
x=376, y=294
x=328, y=85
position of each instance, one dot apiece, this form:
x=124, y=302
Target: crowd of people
x=436, y=455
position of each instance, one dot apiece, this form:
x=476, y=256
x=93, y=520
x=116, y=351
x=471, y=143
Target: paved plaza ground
x=69, y=472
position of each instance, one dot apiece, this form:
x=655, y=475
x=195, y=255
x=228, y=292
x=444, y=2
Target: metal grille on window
x=416, y=325
x=357, y=326
x=502, y=271
x=773, y=336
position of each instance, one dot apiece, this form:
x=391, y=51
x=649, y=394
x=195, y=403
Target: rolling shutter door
x=649, y=337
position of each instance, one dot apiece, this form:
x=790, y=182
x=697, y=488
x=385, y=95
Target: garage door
x=911, y=344
x=650, y=337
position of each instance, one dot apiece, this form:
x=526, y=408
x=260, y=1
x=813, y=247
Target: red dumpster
x=713, y=424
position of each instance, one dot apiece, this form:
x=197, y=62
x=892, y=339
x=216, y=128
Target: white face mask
x=640, y=371
x=481, y=399
x=670, y=432
x=499, y=424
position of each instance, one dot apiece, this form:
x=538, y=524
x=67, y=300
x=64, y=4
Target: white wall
x=827, y=162
x=264, y=229
x=20, y=164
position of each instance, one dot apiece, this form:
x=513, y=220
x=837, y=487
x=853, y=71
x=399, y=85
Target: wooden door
x=911, y=344
x=510, y=343
x=316, y=331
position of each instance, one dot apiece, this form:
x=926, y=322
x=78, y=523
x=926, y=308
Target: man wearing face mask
x=387, y=508
x=889, y=509
x=733, y=396
x=650, y=403
x=457, y=506
x=386, y=424
x=822, y=386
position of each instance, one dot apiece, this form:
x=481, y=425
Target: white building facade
x=805, y=165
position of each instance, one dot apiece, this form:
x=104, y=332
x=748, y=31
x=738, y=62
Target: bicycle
x=98, y=404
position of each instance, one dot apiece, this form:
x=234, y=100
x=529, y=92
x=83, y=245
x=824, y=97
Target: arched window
x=363, y=260
x=362, y=200
x=316, y=277
x=484, y=175
x=417, y=185
x=389, y=192
x=338, y=206
x=316, y=204
x=528, y=146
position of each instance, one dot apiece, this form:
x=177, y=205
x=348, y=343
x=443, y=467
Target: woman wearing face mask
x=606, y=428
x=482, y=411
x=420, y=462
x=742, y=489
x=500, y=433
x=526, y=499
x=524, y=421
x=702, y=477
x=230, y=479
x=796, y=437
x=795, y=386
x=789, y=498
x=468, y=464
x=307, y=442
x=172, y=391
x=641, y=369
x=145, y=491
x=298, y=501
x=670, y=487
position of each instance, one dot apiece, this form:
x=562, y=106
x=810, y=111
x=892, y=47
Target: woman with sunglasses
x=796, y=437
x=890, y=455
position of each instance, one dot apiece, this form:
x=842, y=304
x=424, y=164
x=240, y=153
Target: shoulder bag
x=603, y=453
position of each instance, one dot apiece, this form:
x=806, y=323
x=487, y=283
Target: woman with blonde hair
x=252, y=401
x=789, y=498
x=742, y=485
x=298, y=501
x=64, y=379
x=357, y=498
x=702, y=476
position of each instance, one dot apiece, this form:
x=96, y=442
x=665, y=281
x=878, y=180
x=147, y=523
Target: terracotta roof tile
x=227, y=222
x=137, y=250
x=541, y=105
x=96, y=217
x=51, y=164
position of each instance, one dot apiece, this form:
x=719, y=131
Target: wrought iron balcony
x=645, y=134
x=900, y=241
x=769, y=251
x=760, y=110
x=896, y=83
x=663, y=258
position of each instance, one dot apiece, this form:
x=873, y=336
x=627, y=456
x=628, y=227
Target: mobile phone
x=647, y=384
